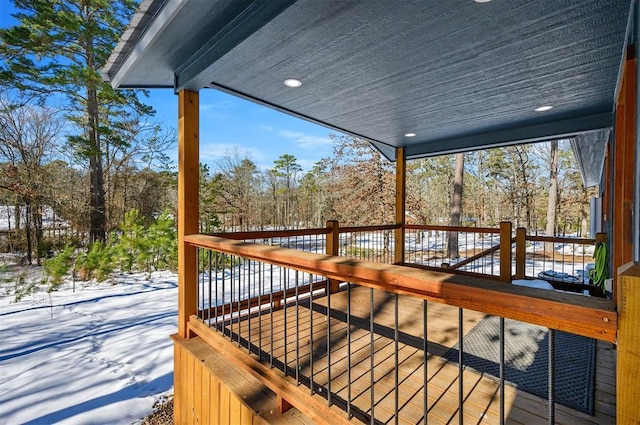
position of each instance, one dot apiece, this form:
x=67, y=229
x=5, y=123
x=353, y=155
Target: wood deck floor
x=303, y=348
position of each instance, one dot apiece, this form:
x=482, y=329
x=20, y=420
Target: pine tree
x=59, y=47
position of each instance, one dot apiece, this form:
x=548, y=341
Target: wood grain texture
x=188, y=182
x=628, y=373
x=401, y=199
x=624, y=167
x=480, y=393
x=521, y=252
x=505, y=251
x=595, y=318
x=213, y=393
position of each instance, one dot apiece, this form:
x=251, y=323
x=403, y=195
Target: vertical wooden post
x=628, y=353
x=332, y=248
x=401, y=196
x=505, y=251
x=623, y=168
x=521, y=252
x=188, y=183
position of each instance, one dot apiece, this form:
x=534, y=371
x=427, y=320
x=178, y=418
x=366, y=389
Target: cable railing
x=372, y=346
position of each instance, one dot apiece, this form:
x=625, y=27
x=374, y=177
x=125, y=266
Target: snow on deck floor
x=104, y=358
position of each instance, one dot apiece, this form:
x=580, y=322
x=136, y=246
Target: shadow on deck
x=367, y=371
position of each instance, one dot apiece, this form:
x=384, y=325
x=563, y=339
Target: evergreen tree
x=60, y=47
x=287, y=168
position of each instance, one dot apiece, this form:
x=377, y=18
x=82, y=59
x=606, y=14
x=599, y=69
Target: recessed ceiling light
x=544, y=108
x=292, y=82
x=410, y=135
x=482, y=1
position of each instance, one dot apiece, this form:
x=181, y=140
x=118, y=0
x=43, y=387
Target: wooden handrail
x=452, y=228
x=595, y=318
x=579, y=241
x=239, y=236
x=353, y=229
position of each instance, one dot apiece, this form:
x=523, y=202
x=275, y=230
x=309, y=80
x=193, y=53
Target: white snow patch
x=104, y=357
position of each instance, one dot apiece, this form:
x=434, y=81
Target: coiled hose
x=601, y=270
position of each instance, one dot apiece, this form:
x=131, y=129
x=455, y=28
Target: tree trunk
x=553, y=193
x=482, y=220
x=584, y=221
x=36, y=210
x=16, y=211
x=27, y=232
x=456, y=206
x=97, y=203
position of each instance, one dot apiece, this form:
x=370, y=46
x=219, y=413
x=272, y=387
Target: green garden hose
x=601, y=270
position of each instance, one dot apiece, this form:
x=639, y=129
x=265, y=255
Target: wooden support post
x=628, y=353
x=188, y=183
x=401, y=196
x=623, y=168
x=521, y=252
x=332, y=248
x=505, y=251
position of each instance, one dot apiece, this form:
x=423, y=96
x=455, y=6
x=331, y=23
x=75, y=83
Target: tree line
x=356, y=186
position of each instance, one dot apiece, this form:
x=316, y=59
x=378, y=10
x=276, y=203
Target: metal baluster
x=260, y=293
x=217, y=255
x=297, y=331
x=552, y=376
x=544, y=256
x=328, y=342
x=249, y=304
x=502, y=342
x=240, y=282
x=232, y=277
x=396, y=336
x=460, y=367
x=200, y=286
x=372, y=364
x=425, y=376
x=349, y=415
x=224, y=312
x=311, y=381
x=284, y=287
x=210, y=286
x=271, y=316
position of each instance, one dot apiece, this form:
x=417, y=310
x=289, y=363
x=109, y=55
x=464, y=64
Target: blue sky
x=228, y=123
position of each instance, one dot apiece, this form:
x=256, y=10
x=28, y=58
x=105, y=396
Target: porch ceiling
x=460, y=75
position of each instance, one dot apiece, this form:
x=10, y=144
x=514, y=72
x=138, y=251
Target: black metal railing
x=366, y=360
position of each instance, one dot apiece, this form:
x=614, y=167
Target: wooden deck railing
x=240, y=281
x=494, y=253
x=585, y=316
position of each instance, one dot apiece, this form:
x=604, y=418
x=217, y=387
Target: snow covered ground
x=99, y=355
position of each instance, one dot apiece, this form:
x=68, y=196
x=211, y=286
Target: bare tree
x=28, y=139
